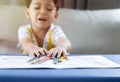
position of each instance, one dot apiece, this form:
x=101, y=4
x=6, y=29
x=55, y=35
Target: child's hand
x=36, y=51
x=57, y=52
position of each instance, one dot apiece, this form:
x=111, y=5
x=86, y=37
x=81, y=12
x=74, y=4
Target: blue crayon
x=55, y=60
x=34, y=58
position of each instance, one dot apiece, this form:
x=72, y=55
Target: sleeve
x=23, y=33
x=58, y=33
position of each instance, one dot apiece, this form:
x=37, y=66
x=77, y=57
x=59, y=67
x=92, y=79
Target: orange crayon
x=66, y=57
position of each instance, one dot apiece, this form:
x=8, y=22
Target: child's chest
x=40, y=40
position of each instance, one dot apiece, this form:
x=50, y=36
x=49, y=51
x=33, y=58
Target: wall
x=11, y=2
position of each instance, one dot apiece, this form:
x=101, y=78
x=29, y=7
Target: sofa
x=90, y=31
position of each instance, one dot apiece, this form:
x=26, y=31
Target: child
x=41, y=36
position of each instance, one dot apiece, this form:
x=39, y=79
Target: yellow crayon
x=36, y=61
x=58, y=59
x=61, y=58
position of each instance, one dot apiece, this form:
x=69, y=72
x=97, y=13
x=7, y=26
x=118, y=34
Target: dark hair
x=28, y=2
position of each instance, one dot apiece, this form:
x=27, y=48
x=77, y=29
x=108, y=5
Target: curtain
x=90, y=4
x=74, y=4
x=103, y=4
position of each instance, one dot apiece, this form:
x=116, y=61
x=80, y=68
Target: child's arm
x=32, y=49
x=64, y=42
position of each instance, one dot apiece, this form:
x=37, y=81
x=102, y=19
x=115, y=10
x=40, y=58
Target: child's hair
x=28, y=2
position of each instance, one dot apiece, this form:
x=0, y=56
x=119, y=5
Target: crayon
x=66, y=57
x=41, y=60
x=55, y=60
x=44, y=59
x=34, y=58
x=36, y=61
x=58, y=59
x=61, y=58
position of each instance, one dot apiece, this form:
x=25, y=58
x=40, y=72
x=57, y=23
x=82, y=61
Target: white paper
x=74, y=62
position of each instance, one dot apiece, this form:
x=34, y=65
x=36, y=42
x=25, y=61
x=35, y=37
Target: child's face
x=42, y=13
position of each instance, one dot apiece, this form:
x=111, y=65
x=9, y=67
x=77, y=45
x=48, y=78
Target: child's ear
x=27, y=13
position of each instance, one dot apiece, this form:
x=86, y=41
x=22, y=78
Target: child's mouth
x=42, y=19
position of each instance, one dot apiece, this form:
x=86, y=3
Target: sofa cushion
x=11, y=17
x=9, y=47
x=96, y=31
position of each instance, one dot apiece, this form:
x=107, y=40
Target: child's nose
x=43, y=11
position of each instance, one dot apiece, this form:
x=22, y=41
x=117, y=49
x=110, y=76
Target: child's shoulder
x=24, y=29
x=55, y=27
x=25, y=26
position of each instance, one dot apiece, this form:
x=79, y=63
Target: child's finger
x=59, y=53
x=32, y=54
x=41, y=51
x=64, y=53
x=45, y=51
x=50, y=53
x=55, y=53
x=37, y=53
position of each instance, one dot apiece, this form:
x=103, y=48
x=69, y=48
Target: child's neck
x=40, y=35
x=40, y=31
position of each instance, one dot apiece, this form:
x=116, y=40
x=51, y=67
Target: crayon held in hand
x=55, y=60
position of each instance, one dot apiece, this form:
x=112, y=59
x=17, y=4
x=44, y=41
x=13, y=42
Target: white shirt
x=57, y=32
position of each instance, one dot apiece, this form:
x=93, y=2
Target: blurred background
x=75, y=4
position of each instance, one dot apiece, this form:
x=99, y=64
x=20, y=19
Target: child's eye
x=36, y=7
x=49, y=9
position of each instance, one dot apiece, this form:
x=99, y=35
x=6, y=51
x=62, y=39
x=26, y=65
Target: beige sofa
x=90, y=32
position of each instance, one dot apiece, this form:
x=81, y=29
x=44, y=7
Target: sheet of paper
x=74, y=62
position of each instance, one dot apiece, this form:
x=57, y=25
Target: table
x=63, y=75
